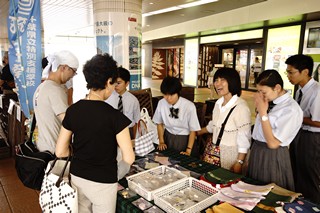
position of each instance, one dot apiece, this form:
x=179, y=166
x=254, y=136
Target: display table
x=190, y=163
x=198, y=166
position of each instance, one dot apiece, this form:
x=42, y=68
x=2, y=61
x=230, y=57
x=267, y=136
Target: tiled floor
x=15, y=198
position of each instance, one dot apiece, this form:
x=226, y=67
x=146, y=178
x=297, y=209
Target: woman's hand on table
x=236, y=168
x=162, y=146
x=185, y=153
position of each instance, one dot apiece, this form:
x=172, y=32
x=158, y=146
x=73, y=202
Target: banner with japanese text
x=24, y=33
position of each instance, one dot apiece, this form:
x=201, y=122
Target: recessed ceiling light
x=179, y=7
x=182, y=14
x=151, y=3
x=148, y=25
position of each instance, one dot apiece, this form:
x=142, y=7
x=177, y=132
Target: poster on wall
x=119, y=34
x=158, y=63
x=312, y=46
x=313, y=38
x=282, y=43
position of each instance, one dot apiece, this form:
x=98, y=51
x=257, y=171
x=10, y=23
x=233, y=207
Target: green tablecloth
x=193, y=164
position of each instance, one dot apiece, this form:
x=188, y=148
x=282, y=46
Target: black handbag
x=30, y=162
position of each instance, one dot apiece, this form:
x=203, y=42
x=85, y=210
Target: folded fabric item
x=252, y=189
x=301, y=205
x=241, y=196
x=221, y=176
x=285, y=192
x=219, y=186
x=223, y=208
x=245, y=205
x=270, y=203
x=276, y=196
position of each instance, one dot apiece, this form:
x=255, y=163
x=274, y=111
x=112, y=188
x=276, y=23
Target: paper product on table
x=229, y=192
x=251, y=189
x=246, y=205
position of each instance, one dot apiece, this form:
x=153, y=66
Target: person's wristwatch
x=264, y=118
x=240, y=161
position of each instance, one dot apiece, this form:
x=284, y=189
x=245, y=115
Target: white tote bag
x=150, y=125
x=57, y=194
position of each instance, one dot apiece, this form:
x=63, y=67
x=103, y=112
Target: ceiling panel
x=75, y=17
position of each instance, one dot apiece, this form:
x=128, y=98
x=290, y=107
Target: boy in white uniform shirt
x=305, y=149
x=130, y=106
x=176, y=118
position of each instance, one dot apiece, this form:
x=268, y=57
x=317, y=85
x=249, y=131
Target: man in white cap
x=50, y=100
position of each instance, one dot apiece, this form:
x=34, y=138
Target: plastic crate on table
x=134, y=185
x=197, y=185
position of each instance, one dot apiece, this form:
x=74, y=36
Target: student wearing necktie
x=124, y=101
x=176, y=118
x=273, y=131
x=305, y=149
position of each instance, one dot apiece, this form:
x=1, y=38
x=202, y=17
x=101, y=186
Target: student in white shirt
x=176, y=118
x=274, y=130
x=130, y=104
x=305, y=149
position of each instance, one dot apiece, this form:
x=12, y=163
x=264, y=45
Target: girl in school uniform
x=274, y=130
x=176, y=118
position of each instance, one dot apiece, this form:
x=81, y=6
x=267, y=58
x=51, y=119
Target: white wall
x=84, y=49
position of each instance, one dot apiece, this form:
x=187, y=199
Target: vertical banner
x=119, y=34
x=24, y=32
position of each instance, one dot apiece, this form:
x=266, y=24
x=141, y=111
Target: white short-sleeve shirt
x=131, y=106
x=187, y=121
x=310, y=103
x=285, y=119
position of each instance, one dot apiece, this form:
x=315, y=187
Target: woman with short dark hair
x=235, y=140
x=97, y=129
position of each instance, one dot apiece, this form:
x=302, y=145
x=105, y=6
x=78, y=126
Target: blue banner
x=24, y=32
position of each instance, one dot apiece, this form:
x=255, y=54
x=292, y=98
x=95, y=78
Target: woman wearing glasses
x=278, y=120
x=176, y=118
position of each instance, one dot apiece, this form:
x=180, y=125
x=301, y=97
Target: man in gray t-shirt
x=50, y=100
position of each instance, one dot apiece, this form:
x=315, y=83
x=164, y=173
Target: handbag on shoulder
x=30, y=163
x=57, y=194
x=212, y=151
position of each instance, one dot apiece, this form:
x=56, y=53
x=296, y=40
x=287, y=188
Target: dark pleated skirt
x=271, y=165
x=177, y=142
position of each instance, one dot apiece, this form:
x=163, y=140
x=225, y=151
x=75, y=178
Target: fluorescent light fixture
x=179, y=7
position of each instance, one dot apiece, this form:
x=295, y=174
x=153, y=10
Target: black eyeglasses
x=73, y=70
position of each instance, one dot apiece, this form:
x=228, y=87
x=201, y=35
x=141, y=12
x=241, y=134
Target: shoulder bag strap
x=223, y=125
x=33, y=126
